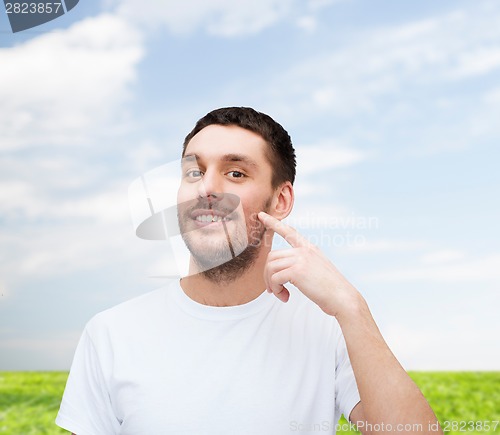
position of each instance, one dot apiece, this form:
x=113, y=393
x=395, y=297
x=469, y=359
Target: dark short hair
x=281, y=153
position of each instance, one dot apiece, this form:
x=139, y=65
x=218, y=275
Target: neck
x=235, y=291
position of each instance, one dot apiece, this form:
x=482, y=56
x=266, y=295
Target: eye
x=237, y=174
x=193, y=173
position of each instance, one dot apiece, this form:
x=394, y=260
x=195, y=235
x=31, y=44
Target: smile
x=211, y=218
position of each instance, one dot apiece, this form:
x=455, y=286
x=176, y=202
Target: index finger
x=290, y=234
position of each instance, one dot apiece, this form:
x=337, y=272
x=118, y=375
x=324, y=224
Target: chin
x=210, y=253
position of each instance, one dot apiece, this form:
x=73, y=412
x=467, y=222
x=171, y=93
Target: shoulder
x=131, y=312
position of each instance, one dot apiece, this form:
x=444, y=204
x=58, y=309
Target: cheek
x=186, y=192
x=256, y=201
x=250, y=210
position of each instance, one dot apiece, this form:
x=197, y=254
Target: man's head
x=280, y=152
x=236, y=162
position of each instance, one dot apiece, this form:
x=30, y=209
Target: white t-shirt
x=164, y=364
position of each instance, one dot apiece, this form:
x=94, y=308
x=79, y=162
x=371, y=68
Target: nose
x=210, y=186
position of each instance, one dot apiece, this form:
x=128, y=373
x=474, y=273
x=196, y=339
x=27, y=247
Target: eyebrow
x=226, y=158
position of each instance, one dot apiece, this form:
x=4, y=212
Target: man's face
x=226, y=181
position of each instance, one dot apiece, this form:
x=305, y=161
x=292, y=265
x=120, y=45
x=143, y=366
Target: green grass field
x=463, y=401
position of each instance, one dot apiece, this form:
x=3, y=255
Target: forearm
x=389, y=397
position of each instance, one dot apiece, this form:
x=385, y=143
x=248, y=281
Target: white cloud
x=62, y=85
x=60, y=88
x=111, y=206
x=492, y=96
x=320, y=4
x=3, y=290
x=145, y=155
x=50, y=352
x=58, y=172
x=315, y=158
x=442, y=256
x=388, y=62
x=217, y=17
x=477, y=62
x=323, y=216
x=386, y=245
x=314, y=161
x=54, y=344
x=226, y=18
x=53, y=249
x=20, y=199
x=49, y=234
x=482, y=269
x=445, y=346
x=307, y=23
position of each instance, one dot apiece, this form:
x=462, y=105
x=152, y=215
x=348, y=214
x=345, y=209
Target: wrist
x=349, y=305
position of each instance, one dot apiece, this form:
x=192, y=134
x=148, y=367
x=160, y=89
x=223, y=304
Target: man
x=214, y=353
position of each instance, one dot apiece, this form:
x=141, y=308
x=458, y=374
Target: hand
x=307, y=268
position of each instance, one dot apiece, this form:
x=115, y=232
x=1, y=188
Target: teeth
x=210, y=218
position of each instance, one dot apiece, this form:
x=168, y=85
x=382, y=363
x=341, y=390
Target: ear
x=282, y=202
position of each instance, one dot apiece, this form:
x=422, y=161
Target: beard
x=232, y=254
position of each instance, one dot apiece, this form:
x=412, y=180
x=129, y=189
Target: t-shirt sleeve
x=346, y=389
x=86, y=406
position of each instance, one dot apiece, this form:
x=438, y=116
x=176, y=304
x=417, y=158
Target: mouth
x=207, y=217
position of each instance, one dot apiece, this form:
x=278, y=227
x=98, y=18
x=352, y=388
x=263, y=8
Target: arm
x=388, y=394
x=389, y=398
x=86, y=405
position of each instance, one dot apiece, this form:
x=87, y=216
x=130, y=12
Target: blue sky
x=393, y=108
